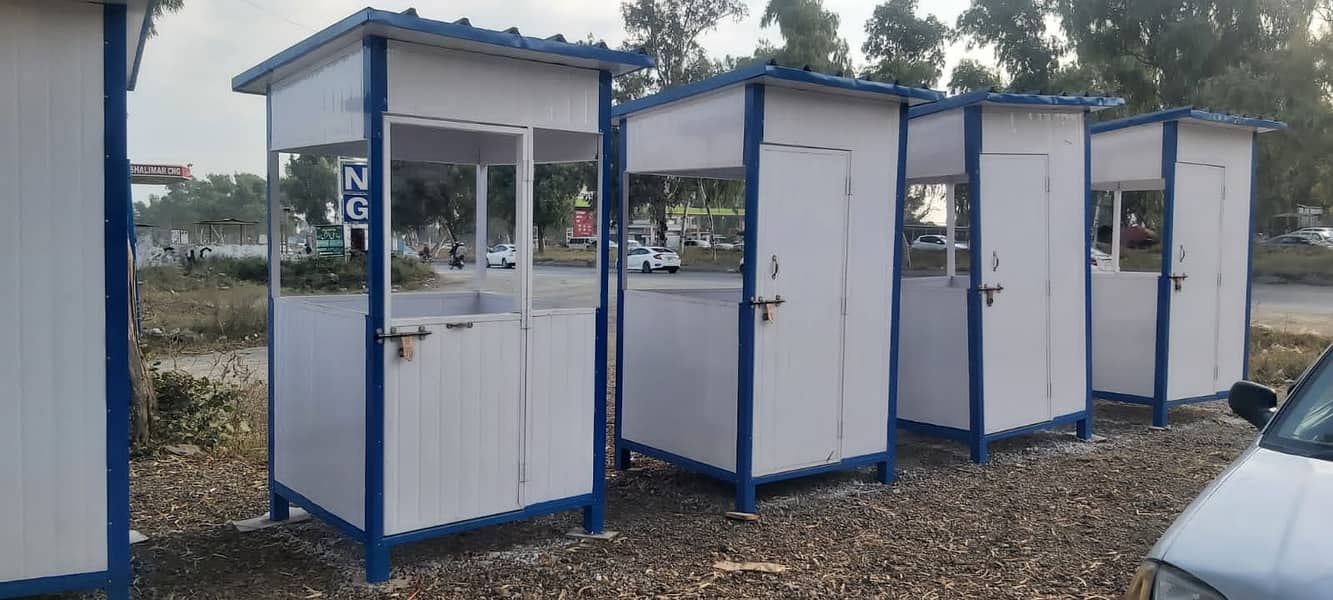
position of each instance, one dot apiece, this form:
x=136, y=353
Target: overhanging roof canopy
x=785, y=77
x=1079, y=103
x=1192, y=114
x=459, y=35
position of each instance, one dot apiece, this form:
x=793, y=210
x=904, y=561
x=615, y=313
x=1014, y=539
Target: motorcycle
x=456, y=258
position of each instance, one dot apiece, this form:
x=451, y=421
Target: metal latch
x=406, y=346
x=1177, y=280
x=466, y=325
x=990, y=291
x=770, y=312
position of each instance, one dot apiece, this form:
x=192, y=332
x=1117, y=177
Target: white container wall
x=404, y=416
x=1177, y=335
x=787, y=374
x=65, y=69
x=1002, y=350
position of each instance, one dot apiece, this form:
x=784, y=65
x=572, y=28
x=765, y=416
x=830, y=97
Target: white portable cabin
x=787, y=375
x=1181, y=334
x=1002, y=351
x=397, y=417
x=65, y=69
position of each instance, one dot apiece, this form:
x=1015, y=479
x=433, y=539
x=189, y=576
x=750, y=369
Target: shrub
x=194, y=410
x=1278, y=356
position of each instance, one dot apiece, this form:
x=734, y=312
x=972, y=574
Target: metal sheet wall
x=698, y=134
x=558, y=446
x=323, y=105
x=932, y=367
x=1124, y=332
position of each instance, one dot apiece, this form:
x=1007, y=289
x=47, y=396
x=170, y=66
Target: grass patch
x=224, y=411
x=1277, y=356
x=1313, y=266
x=935, y=260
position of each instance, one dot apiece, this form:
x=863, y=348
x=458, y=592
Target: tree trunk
x=143, y=402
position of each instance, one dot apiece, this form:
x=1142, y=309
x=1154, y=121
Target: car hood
x=1263, y=529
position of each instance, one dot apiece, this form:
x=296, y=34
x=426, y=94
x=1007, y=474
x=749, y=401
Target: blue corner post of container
x=886, y=470
x=376, y=103
x=1085, y=424
x=279, y=508
x=754, y=137
x=622, y=212
x=116, y=178
x=594, y=515
x=1249, y=257
x=1170, y=138
x=976, y=392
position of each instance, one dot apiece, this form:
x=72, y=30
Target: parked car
x=1298, y=238
x=698, y=243
x=1100, y=261
x=502, y=255
x=1325, y=232
x=1262, y=529
x=581, y=243
x=721, y=243
x=651, y=259
x=935, y=242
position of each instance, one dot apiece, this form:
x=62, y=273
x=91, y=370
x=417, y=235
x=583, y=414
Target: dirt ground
x=1051, y=517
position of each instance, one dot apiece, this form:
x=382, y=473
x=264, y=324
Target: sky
x=184, y=112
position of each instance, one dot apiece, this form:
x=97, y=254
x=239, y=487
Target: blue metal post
x=594, y=514
x=754, y=138
x=1085, y=424
x=976, y=391
x=1170, y=137
x=279, y=508
x=622, y=214
x=886, y=470
x=376, y=103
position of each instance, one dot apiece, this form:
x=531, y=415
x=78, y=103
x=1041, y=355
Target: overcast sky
x=184, y=111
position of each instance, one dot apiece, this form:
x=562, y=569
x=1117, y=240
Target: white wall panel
x=1124, y=332
x=932, y=362
x=320, y=404
x=869, y=129
x=322, y=105
x=453, y=423
x=448, y=84
x=704, y=132
x=680, y=375
x=559, y=406
x=1129, y=154
x=935, y=147
x=52, y=356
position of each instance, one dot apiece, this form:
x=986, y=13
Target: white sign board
x=354, y=179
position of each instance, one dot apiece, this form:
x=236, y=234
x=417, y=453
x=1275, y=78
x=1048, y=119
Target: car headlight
x=1160, y=581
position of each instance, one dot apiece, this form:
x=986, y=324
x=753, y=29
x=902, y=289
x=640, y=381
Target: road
x=1289, y=306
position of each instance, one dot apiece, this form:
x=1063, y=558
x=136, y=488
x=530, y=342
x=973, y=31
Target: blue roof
x=394, y=25
x=774, y=72
x=1093, y=103
x=1189, y=112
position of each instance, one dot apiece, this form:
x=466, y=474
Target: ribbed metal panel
x=559, y=407
x=322, y=105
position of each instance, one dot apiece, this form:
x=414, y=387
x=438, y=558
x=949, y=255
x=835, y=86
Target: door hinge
x=1048, y=183
x=522, y=472
x=1048, y=288
x=1050, y=392
x=844, y=306
x=1219, y=280
x=840, y=428
x=848, y=188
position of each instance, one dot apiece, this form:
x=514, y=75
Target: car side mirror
x=1253, y=402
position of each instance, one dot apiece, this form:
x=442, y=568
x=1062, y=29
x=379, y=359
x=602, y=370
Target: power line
x=280, y=16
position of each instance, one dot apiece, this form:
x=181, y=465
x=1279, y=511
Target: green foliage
x=668, y=30
x=434, y=195
x=243, y=196
x=1017, y=31
x=339, y=275
x=310, y=188
x=810, y=36
x=194, y=410
x=903, y=47
x=555, y=189
x=160, y=9
x=969, y=75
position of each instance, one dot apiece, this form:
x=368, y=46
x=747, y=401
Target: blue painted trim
x=594, y=517
x=1040, y=100
x=143, y=41
x=622, y=210
x=53, y=585
x=1059, y=421
x=753, y=141
x=1085, y=428
x=976, y=391
x=889, y=468
x=1223, y=395
x=385, y=24
x=1170, y=141
x=773, y=72
x=939, y=431
x=319, y=512
x=1249, y=256
x=688, y=464
x=1127, y=398
x=845, y=464
x=116, y=235
x=376, y=103
x=527, y=512
x=1188, y=112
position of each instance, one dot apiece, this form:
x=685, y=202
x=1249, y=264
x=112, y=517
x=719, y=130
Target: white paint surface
x=1132, y=154
x=1124, y=332
x=680, y=373
x=321, y=105
x=704, y=133
x=319, y=403
x=52, y=355
x=932, y=360
x=1195, y=252
x=560, y=398
x=935, y=148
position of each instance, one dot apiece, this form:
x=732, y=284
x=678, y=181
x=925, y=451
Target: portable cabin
x=1178, y=333
x=64, y=357
x=402, y=416
x=786, y=374
x=1002, y=350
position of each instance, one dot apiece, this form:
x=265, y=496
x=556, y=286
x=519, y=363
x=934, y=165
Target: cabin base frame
x=1161, y=407
x=979, y=443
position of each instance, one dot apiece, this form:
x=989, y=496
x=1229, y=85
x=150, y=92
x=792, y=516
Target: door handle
x=1182, y=253
x=773, y=267
x=994, y=261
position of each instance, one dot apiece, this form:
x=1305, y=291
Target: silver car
x=1264, y=528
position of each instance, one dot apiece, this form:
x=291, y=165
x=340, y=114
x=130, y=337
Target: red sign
x=159, y=174
x=584, y=223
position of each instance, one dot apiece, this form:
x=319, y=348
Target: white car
x=698, y=243
x=935, y=242
x=648, y=260
x=502, y=255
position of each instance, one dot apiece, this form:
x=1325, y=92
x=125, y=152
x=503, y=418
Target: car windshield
x=1305, y=423
x=664, y=250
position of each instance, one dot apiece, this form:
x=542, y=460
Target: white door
x=1196, y=236
x=801, y=254
x=1015, y=325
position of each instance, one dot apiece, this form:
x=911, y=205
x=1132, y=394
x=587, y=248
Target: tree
x=969, y=75
x=430, y=196
x=1017, y=31
x=555, y=189
x=160, y=9
x=242, y=196
x=903, y=47
x=810, y=36
x=310, y=188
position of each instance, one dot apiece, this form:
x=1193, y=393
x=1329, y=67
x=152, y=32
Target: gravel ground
x=1051, y=517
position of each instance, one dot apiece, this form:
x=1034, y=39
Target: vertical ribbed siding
x=558, y=450
x=52, y=325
